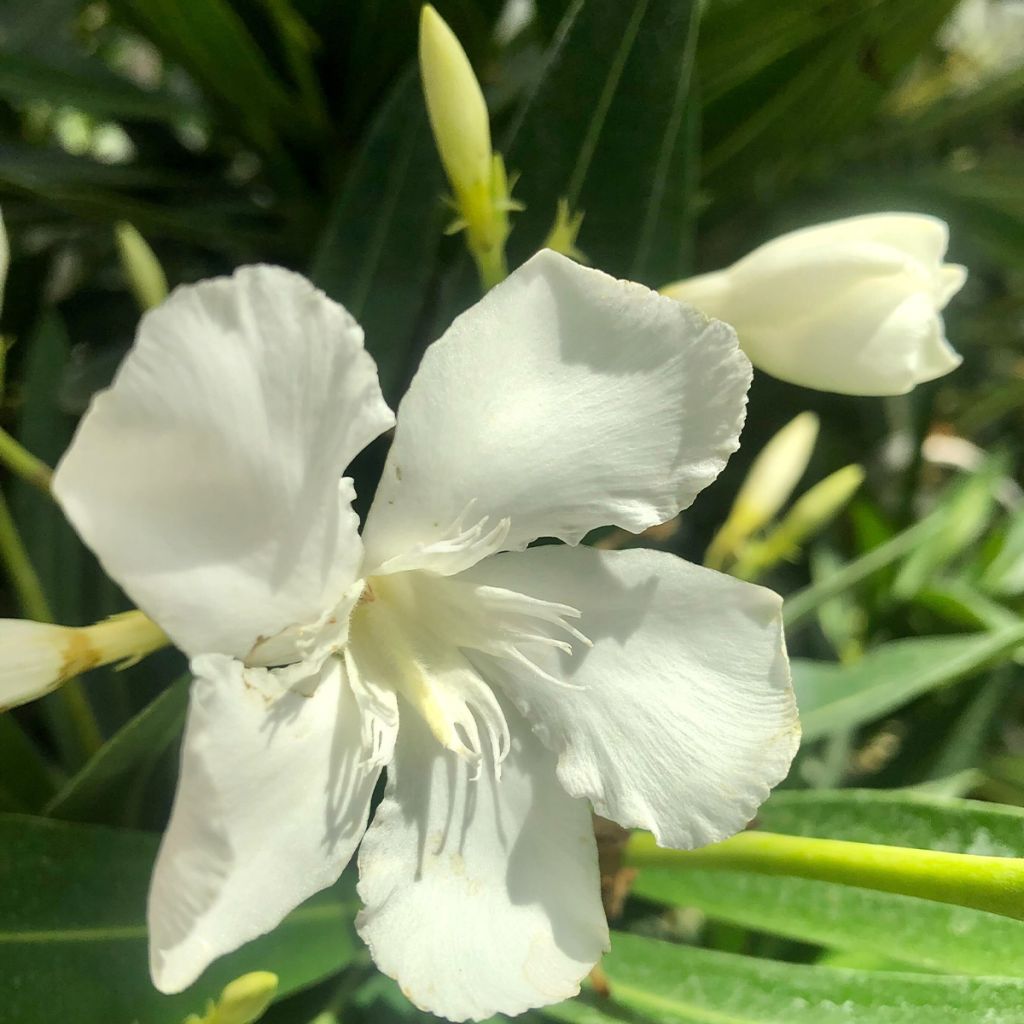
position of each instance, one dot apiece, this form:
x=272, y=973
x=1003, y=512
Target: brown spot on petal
x=79, y=656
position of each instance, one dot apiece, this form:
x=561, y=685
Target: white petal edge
x=481, y=897
x=272, y=800
x=564, y=400
x=207, y=477
x=685, y=717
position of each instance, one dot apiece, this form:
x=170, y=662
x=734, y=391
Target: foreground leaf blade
x=73, y=933
x=672, y=984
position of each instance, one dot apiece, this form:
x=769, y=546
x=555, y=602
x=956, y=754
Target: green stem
x=22, y=573
x=33, y=603
x=804, y=602
x=994, y=884
x=21, y=462
x=491, y=265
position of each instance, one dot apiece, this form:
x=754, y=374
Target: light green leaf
x=833, y=697
x=672, y=984
x=931, y=935
x=73, y=933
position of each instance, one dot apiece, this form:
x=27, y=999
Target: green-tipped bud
x=37, y=657
x=141, y=267
x=458, y=113
x=458, y=117
x=810, y=513
x=771, y=480
x=562, y=236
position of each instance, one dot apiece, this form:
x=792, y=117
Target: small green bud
x=774, y=474
x=141, y=267
x=243, y=1001
x=809, y=514
x=458, y=113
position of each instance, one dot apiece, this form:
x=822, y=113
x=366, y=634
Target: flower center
x=414, y=634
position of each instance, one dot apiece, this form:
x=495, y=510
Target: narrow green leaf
x=833, y=697
x=624, y=156
x=898, y=818
x=802, y=604
x=107, y=789
x=817, y=87
x=377, y=258
x=73, y=933
x=97, y=91
x=213, y=43
x=667, y=983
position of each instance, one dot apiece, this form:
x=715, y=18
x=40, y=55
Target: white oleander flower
x=851, y=306
x=506, y=690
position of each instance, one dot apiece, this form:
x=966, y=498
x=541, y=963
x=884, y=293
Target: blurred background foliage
x=294, y=132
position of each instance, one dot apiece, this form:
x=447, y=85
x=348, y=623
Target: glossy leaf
x=377, y=258
x=919, y=932
x=73, y=934
x=623, y=155
x=667, y=983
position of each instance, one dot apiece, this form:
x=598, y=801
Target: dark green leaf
x=213, y=43
x=377, y=258
x=98, y=92
x=607, y=129
x=73, y=933
x=26, y=781
x=109, y=787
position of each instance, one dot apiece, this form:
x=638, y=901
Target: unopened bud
x=821, y=504
x=141, y=267
x=769, y=483
x=458, y=117
x=809, y=514
x=458, y=113
x=37, y=657
x=246, y=999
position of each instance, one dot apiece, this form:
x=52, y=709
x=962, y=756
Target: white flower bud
x=37, y=657
x=850, y=306
x=141, y=267
x=32, y=660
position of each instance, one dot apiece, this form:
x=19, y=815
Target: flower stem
x=33, y=603
x=491, y=265
x=994, y=884
x=23, y=463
